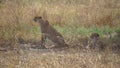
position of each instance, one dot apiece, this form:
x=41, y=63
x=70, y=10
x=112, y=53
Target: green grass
x=66, y=30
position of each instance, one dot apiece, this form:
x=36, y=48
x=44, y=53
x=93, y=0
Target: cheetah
x=49, y=32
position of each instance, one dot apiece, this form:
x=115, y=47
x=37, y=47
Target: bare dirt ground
x=71, y=57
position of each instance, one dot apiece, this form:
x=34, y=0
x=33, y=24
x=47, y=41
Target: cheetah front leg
x=43, y=40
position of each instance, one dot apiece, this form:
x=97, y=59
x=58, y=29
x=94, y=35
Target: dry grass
x=59, y=58
x=74, y=19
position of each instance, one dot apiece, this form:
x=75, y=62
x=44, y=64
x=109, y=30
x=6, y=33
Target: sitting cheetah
x=49, y=32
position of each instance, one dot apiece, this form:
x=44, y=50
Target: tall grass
x=74, y=19
x=70, y=17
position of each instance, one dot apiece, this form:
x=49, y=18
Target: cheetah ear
x=40, y=17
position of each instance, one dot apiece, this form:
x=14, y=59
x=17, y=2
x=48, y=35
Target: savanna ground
x=74, y=19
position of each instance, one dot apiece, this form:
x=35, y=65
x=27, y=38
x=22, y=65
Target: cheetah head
x=37, y=18
x=94, y=36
